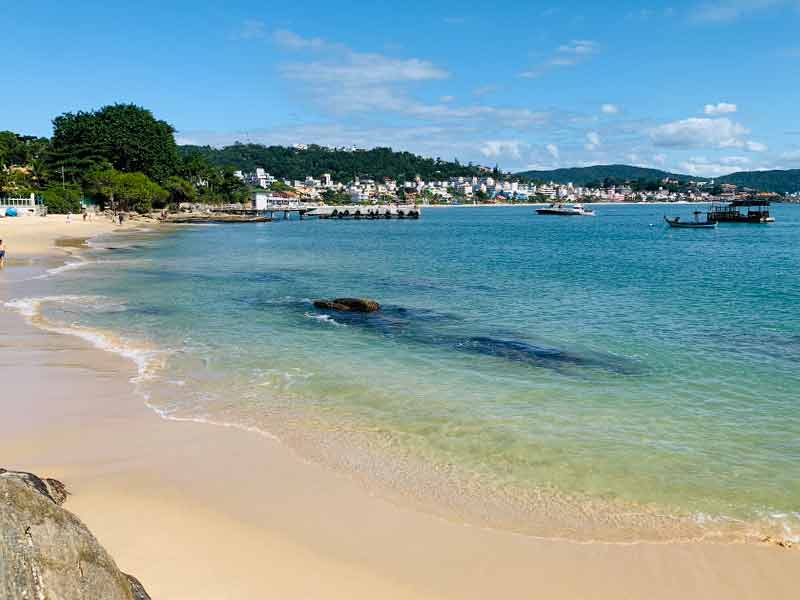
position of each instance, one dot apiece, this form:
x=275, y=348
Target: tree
x=137, y=192
x=126, y=191
x=180, y=190
x=126, y=136
x=62, y=200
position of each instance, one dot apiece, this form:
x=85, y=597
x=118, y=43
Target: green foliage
x=124, y=136
x=127, y=191
x=180, y=190
x=62, y=200
x=783, y=182
x=334, y=197
x=20, y=150
x=614, y=174
x=279, y=186
x=343, y=166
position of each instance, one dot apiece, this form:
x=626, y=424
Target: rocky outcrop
x=364, y=305
x=47, y=553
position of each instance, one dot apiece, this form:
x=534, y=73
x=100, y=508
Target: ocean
x=593, y=378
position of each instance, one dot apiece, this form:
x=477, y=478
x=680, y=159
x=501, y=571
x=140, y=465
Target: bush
x=62, y=200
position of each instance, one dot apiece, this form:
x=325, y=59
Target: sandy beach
x=36, y=237
x=205, y=512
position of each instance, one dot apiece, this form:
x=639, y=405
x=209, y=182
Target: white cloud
x=495, y=148
x=791, y=155
x=593, y=141
x=721, y=11
x=290, y=39
x=704, y=167
x=365, y=69
x=251, y=29
x=566, y=55
x=734, y=160
x=609, y=109
x=346, y=81
x=659, y=159
x=484, y=89
x=756, y=146
x=719, y=108
x=578, y=48
x=552, y=150
x=699, y=133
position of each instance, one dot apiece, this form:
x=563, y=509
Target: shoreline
x=197, y=483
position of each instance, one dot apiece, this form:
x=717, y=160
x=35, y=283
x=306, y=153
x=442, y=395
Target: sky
x=702, y=87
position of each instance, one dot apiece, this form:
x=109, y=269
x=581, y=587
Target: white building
x=25, y=206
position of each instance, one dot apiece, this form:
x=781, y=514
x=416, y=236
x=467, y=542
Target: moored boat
x=696, y=224
x=732, y=212
x=567, y=210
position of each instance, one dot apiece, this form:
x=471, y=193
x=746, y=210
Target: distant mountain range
x=787, y=181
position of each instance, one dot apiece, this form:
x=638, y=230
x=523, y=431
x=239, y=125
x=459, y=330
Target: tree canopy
x=123, y=136
x=342, y=165
x=127, y=191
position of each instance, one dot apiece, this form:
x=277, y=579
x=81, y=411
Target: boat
x=731, y=212
x=566, y=210
x=696, y=224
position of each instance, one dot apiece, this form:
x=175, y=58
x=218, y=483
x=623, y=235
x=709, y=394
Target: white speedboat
x=566, y=210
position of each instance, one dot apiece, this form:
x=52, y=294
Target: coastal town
x=488, y=189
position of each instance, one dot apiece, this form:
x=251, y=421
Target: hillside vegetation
x=584, y=175
x=343, y=165
x=784, y=182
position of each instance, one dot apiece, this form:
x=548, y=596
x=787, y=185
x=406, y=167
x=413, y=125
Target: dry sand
x=29, y=237
x=203, y=512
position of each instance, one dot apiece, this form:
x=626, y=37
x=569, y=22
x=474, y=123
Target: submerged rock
x=364, y=305
x=47, y=552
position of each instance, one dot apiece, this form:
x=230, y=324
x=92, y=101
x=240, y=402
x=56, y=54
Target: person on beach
x=2, y=254
x=85, y=215
x=69, y=217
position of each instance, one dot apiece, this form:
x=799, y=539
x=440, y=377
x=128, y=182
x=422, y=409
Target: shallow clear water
x=589, y=377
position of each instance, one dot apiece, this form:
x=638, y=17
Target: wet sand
x=199, y=511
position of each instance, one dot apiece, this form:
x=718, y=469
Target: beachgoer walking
x=2, y=254
x=85, y=215
x=120, y=218
x=69, y=217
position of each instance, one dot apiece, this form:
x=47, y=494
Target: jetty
x=360, y=211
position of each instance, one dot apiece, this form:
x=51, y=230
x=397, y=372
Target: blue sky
x=694, y=86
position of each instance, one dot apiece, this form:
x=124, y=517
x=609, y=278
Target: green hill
x=784, y=182
x=343, y=165
x=584, y=175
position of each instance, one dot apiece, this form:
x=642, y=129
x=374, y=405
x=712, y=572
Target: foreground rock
x=46, y=552
x=364, y=305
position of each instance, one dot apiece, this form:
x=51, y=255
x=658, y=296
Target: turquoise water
x=592, y=377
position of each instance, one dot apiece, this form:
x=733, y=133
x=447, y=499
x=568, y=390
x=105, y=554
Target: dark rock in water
x=47, y=552
x=364, y=305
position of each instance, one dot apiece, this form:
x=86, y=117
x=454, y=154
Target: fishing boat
x=696, y=224
x=566, y=210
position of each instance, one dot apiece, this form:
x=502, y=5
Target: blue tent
x=11, y=212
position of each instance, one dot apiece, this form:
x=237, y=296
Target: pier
x=268, y=210
x=358, y=211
